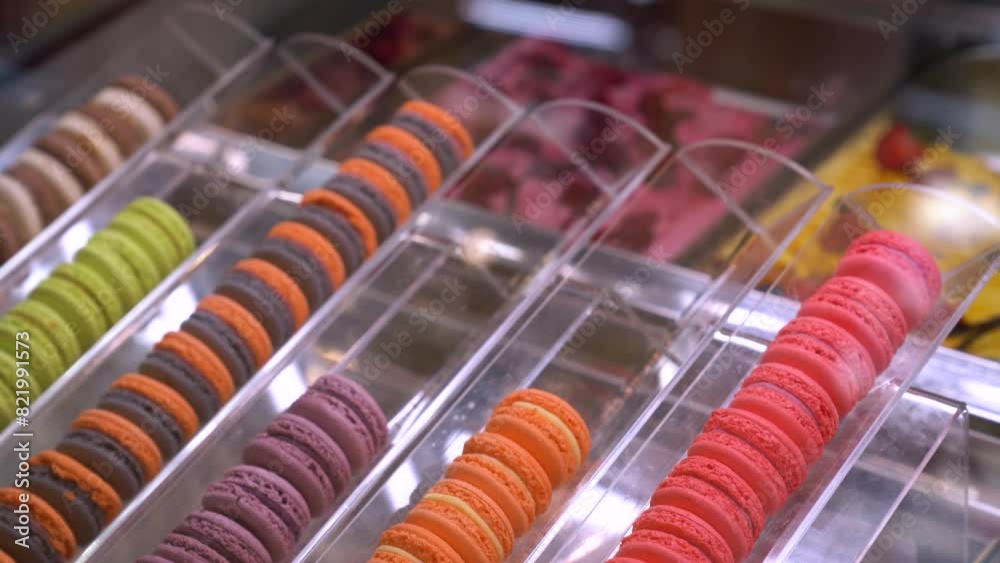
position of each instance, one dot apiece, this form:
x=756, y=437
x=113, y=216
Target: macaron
x=44, y=320
x=500, y=483
x=376, y=179
x=10, y=240
x=102, y=258
x=437, y=140
x=44, y=362
x=651, y=546
x=359, y=221
x=800, y=390
x=900, y=266
x=445, y=121
x=685, y=526
x=142, y=264
x=348, y=414
x=766, y=438
x=242, y=321
x=95, y=287
x=414, y=150
x=57, y=531
x=263, y=503
x=337, y=230
x=149, y=238
x=305, y=456
x=224, y=342
x=65, y=148
x=223, y=536
x=85, y=500
x=746, y=461
x=128, y=435
x=84, y=318
x=131, y=401
x=312, y=241
x=46, y=172
x=47, y=195
x=280, y=283
x=24, y=214
x=865, y=311
x=199, y=356
x=402, y=169
x=368, y=199
x=824, y=336
x=821, y=361
x=106, y=457
x=263, y=301
x=133, y=107
x=176, y=373
x=178, y=547
x=544, y=425
x=151, y=92
x=412, y=542
x=126, y=134
x=176, y=229
x=786, y=413
x=303, y=267
x=467, y=519
x=517, y=460
x=39, y=548
x=91, y=139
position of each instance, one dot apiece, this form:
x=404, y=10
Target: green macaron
x=150, y=237
x=96, y=287
x=102, y=258
x=173, y=224
x=73, y=304
x=8, y=377
x=42, y=318
x=43, y=361
x=140, y=262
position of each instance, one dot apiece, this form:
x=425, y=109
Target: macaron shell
x=224, y=536
x=910, y=248
x=147, y=416
x=893, y=273
x=747, y=462
x=437, y=140
x=799, y=386
x=518, y=460
x=871, y=297
x=859, y=321
x=125, y=433
x=262, y=301
x=104, y=456
x=726, y=480
x=819, y=363
x=337, y=230
x=67, y=300
x=301, y=265
x=72, y=471
x=413, y=148
x=382, y=180
x=339, y=204
x=846, y=346
x=782, y=411
x=711, y=505
x=202, y=359
x=688, y=527
x=281, y=283
x=445, y=120
x=174, y=372
x=317, y=245
x=422, y=544
x=659, y=547
x=60, y=536
x=766, y=438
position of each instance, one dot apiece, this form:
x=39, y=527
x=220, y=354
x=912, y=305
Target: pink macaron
x=801, y=390
x=902, y=267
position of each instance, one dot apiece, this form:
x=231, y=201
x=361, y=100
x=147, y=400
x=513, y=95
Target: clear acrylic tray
x=966, y=244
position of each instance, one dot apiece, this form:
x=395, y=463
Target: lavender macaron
x=305, y=456
x=223, y=536
x=263, y=503
x=348, y=414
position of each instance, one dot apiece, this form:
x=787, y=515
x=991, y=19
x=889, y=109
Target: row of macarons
x=83, y=146
x=146, y=417
x=755, y=452
x=491, y=495
x=80, y=300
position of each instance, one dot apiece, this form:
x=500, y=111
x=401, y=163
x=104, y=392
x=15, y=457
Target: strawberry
x=898, y=148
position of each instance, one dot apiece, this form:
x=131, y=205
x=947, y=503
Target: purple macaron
x=305, y=456
x=263, y=503
x=345, y=411
x=224, y=536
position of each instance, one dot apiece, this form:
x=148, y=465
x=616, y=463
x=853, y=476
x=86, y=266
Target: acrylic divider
x=382, y=327
x=608, y=331
x=192, y=55
x=966, y=244
x=250, y=151
x=216, y=229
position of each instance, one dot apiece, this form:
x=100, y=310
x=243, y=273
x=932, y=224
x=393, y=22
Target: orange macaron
x=60, y=535
x=279, y=281
x=500, y=483
x=409, y=540
x=201, y=357
x=413, y=148
x=355, y=216
x=164, y=397
x=445, y=120
x=467, y=519
x=383, y=181
x=244, y=323
x=518, y=460
x=315, y=243
x=119, y=429
x=71, y=471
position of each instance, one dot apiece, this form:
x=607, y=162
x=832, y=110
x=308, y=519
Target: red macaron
x=786, y=413
x=801, y=390
x=900, y=266
x=688, y=527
